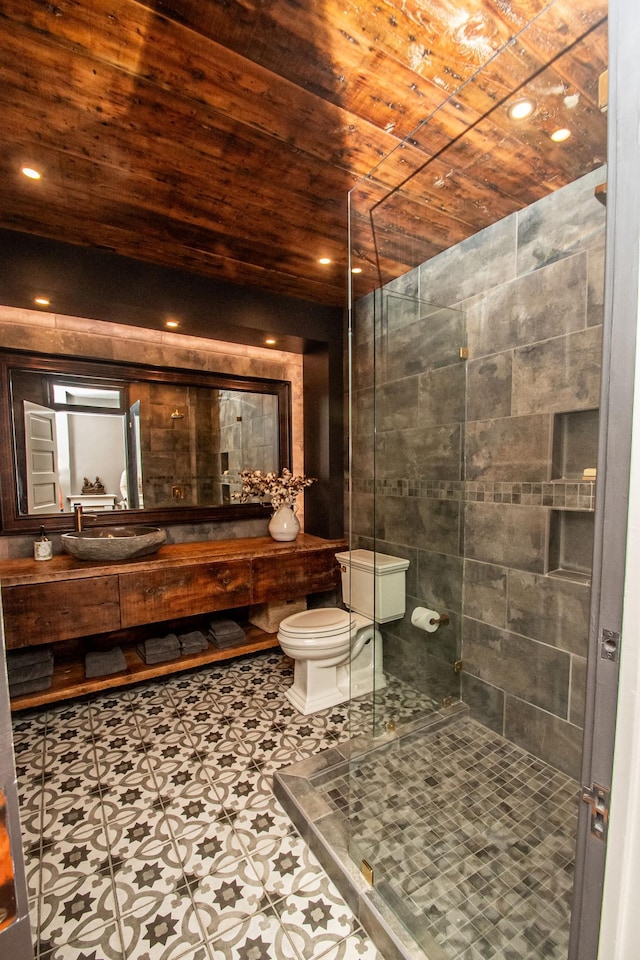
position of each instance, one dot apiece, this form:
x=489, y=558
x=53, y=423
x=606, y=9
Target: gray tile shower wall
x=455, y=464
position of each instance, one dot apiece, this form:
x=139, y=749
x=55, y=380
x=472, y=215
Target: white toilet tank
x=361, y=570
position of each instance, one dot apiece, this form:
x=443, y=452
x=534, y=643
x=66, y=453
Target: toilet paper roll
x=425, y=619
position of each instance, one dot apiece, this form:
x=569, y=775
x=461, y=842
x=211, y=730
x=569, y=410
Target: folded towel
x=231, y=640
x=101, y=663
x=161, y=644
x=222, y=629
x=29, y=686
x=159, y=649
x=17, y=673
x=29, y=656
x=192, y=642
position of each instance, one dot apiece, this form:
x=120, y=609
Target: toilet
x=337, y=653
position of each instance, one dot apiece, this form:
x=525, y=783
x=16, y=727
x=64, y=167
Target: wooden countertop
x=65, y=567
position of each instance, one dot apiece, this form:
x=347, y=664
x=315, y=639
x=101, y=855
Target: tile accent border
x=558, y=494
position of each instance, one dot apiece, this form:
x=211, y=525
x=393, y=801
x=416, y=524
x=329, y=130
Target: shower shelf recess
x=65, y=601
x=571, y=544
x=571, y=523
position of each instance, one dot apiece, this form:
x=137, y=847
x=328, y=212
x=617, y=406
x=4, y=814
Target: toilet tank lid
x=381, y=563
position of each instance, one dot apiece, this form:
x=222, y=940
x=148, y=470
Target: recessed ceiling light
x=324, y=260
x=559, y=136
x=356, y=270
x=172, y=323
x=521, y=109
x=31, y=173
x=270, y=342
x=42, y=301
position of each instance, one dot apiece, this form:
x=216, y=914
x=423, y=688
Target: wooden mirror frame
x=14, y=522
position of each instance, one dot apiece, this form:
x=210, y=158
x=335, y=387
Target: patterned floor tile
x=135, y=833
x=230, y=895
x=32, y=857
x=203, y=848
x=196, y=808
x=316, y=918
x=29, y=725
x=94, y=943
x=67, y=817
x=163, y=929
x=65, y=864
x=152, y=833
x=271, y=746
x=358, y=946
x=260, y=937
x=140, y=883
x=77, y=909
x=75, y=757
x=172, y=774
x=261, y=828
x=288, y=867
x=241, y=787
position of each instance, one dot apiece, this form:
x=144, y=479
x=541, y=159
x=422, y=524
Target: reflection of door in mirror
x=135, y=492
x=43, y=488
x=69, y=451
x=94, y=449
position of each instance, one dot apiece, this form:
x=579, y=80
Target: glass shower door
x=408, y=404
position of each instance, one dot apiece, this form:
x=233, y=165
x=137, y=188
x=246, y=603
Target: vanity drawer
x=60, y=610
x=183, y=591
x=283, y=577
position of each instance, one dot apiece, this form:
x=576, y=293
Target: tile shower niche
x=575, y=449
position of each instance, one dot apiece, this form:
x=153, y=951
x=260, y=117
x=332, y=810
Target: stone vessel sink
x=113, y=543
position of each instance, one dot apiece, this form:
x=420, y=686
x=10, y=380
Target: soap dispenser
x=42, y=546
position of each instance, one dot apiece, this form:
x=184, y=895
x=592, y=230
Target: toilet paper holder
x=441, y=618
x=428, y=620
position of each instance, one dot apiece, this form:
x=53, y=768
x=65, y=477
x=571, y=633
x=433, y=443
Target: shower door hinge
x=463, y=353
x=367, y=871
x=598, y=797
x=457, y=667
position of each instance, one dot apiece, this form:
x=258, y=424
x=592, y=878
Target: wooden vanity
x=65, y=601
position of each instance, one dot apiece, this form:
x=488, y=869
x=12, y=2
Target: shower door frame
x=622, y=258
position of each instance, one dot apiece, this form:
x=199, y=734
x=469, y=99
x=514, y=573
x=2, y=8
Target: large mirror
x=117, y=437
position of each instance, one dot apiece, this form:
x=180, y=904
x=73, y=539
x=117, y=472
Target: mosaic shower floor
x=471, y=840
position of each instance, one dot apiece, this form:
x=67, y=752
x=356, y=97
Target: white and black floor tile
x=152, y=833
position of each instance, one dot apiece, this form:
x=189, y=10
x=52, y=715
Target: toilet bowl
x=334, y=654
x=337, y=653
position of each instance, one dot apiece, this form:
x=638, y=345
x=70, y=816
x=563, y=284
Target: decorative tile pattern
x=558, y=494
x=152, y=831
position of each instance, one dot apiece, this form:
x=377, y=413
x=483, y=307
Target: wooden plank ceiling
x=224, y=137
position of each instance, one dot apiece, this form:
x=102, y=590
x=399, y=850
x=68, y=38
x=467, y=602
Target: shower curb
x=326, y=833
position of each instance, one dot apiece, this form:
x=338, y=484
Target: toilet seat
x=323, y=622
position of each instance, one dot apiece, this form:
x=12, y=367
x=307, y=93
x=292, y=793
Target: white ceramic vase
x=284, y=524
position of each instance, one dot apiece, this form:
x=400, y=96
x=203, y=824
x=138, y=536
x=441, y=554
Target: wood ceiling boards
x=224, y=137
